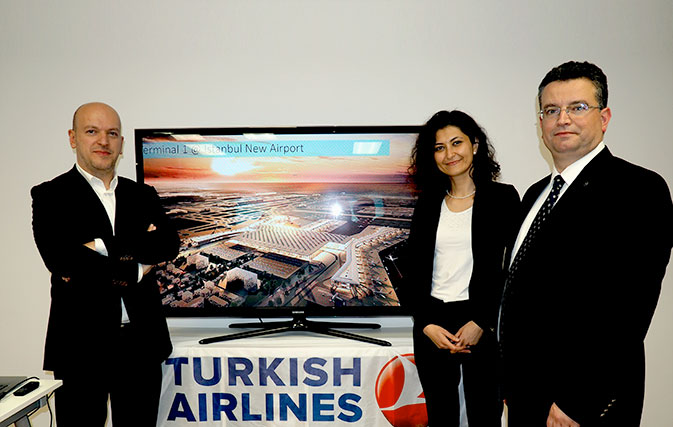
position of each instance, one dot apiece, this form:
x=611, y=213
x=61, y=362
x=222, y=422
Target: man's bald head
x=97, y=139
x=92, y=106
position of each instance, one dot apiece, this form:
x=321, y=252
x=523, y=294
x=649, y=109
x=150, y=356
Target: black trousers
x=440, y=372
x=130, y=381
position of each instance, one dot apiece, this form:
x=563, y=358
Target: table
x=291, y=379
x=15, y=409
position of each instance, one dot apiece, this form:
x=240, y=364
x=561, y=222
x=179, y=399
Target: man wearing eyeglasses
x=586, y=268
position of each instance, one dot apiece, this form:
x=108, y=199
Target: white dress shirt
x=109, y=201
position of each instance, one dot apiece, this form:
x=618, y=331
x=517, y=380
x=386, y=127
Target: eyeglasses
x=575, y=110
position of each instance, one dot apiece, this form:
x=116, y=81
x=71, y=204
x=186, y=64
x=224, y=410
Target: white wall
x=183, y=63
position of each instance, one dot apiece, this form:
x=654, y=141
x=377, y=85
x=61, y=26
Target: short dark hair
x=423, y=171
x=577, y=70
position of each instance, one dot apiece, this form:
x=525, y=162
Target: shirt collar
x=570, y=173
x=96, y=182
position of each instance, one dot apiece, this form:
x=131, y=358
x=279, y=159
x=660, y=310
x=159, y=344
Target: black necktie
x=539, y=219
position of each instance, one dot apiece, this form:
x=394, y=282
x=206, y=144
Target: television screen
x=275, y=221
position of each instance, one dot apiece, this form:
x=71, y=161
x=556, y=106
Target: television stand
x=299, y=322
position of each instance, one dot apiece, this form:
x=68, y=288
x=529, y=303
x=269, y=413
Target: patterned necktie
x=539, y=219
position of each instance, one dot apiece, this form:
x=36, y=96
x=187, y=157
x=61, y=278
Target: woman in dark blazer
x=460, y=235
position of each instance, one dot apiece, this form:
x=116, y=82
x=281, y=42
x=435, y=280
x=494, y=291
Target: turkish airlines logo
x=399, y=393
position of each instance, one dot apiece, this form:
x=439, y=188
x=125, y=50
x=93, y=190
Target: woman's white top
x=453, y=261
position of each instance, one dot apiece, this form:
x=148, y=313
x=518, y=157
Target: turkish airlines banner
x=351, y=386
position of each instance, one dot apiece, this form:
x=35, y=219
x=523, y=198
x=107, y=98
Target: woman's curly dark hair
x=423, y=170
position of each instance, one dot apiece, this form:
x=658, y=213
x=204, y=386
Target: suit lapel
x=129, y=215
x=90, y=206
x=531, y=196
x=584, y=184
x=485, y=201
x=120, y=206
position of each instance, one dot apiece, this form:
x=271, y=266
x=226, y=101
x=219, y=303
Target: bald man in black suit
x=99, y=236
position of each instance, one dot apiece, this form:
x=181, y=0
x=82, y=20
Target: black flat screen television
x=282, y=222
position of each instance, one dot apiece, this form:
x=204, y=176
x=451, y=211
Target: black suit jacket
x=494, y=215
x=584, y=295
x=85, y=309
